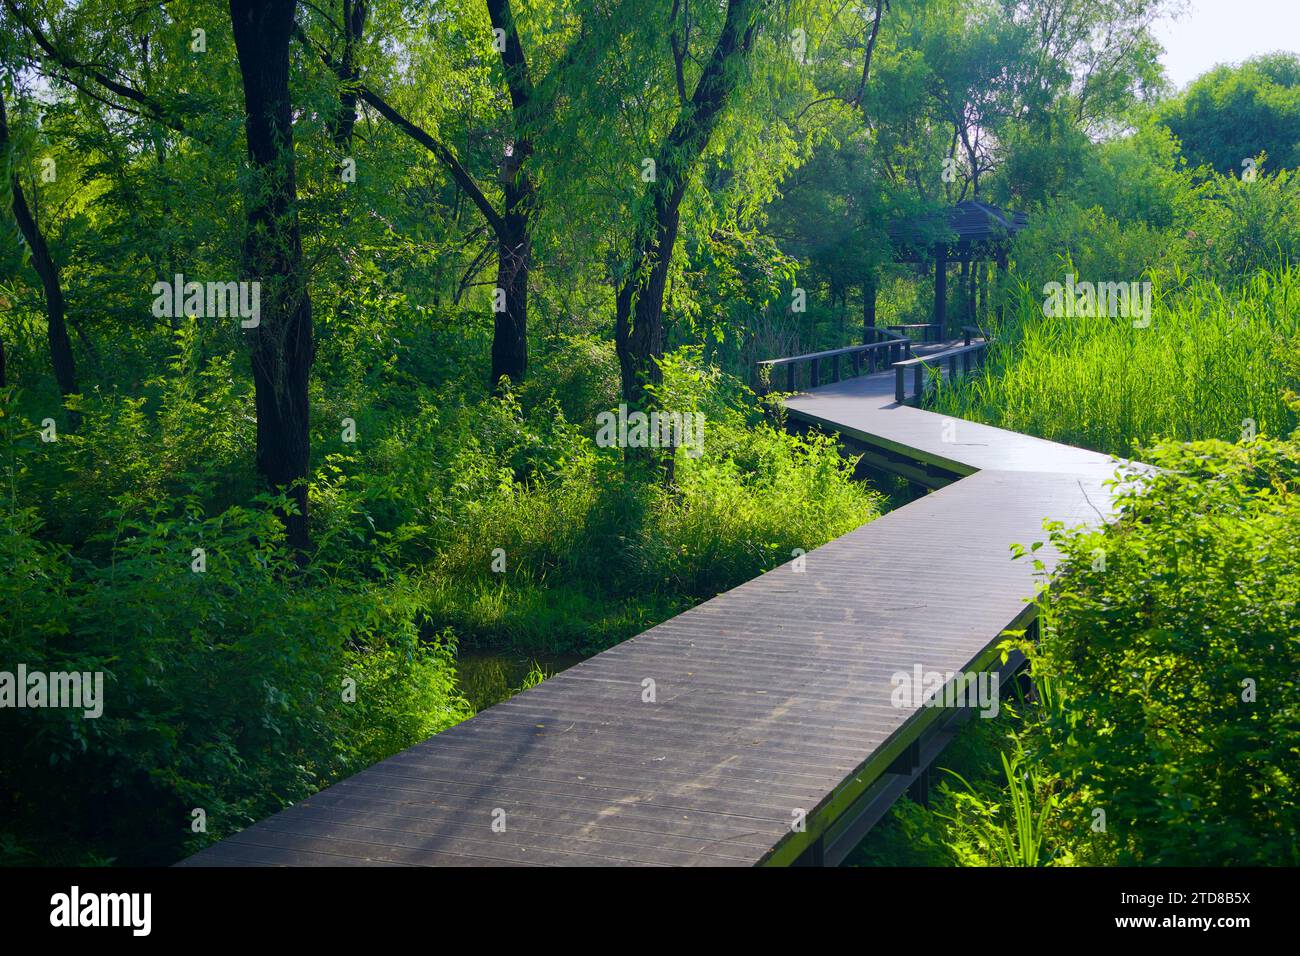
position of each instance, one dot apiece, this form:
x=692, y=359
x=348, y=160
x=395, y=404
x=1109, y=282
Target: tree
x=510, y=327
x=638, y=330
x=282, y=346
x=353, y=23
x=1232, y=114
x=65, y=368
x=511, y=222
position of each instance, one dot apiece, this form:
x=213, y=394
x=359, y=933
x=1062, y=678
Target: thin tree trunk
x=510, y=325
x=282, y=347
x=354, y=24
x=65, y=368
x=638, y=326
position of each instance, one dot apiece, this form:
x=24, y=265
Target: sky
x=1226, y=31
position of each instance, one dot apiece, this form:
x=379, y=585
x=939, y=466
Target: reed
x=1212, y=363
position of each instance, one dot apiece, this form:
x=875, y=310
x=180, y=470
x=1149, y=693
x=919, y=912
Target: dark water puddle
x=490, y=675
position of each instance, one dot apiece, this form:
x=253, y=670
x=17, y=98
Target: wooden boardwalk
x=771, y=702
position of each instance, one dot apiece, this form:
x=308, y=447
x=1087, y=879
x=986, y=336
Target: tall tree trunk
x=513, y=229
x=354, y=24
x=282, y=347
x=510, y=324
x=65, y=367
x=638, y=319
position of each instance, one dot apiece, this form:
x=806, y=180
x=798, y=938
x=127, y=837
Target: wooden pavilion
x=969, y=233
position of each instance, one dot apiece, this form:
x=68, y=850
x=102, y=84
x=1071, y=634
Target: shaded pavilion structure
x=967, y=234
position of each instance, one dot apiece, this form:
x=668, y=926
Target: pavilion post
x=963, y=287
x=940, y=288
x=981, y=293
x=972, y=273
x=1001, y=285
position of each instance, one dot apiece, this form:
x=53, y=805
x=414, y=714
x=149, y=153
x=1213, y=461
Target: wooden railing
x=889, y=348
x=958, y=359
x=929, y=331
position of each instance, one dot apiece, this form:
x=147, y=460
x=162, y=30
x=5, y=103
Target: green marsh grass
x=1211, y=361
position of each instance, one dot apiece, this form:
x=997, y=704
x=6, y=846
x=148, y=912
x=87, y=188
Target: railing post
x=814, y=376
x=918, y=384
x=857, y=364
x=835, y=369
x=900, y=386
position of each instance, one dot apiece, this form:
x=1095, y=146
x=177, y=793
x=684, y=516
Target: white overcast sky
x=1226, y=31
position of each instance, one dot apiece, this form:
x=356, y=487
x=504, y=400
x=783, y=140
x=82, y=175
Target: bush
x=223, y=690
x=1243, y=228
x=591, y=557
x=1177, y=659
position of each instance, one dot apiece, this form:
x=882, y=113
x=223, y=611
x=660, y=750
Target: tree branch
x=440, y=150
x=154, y=109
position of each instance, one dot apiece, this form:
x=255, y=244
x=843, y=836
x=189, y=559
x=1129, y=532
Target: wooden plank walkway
x=769, y=700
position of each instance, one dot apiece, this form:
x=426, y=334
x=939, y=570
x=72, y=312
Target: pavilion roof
x=972, y=221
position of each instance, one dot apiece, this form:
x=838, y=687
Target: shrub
x=1177, y=660
x=223, y=690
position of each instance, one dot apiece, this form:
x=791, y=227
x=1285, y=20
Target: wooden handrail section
x=922, y=364
x=891, y=344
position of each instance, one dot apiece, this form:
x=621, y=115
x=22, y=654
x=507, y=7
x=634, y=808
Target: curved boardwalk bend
x=772, y=701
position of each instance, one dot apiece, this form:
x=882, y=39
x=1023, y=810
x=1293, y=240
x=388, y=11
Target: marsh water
x=490, y=675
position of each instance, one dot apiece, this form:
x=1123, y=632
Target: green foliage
x=1008, y=833
x=1243, y=228
x=1177, y=664
x=1236, y=113
x=223, y=689
x=228, y=689
x=591, y=558
x=992, y=803
x=1065, y=237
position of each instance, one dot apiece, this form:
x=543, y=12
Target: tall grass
x=1211, y=362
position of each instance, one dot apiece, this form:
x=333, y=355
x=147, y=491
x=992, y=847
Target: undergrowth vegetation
x=1164, y=719
x=246, y=681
